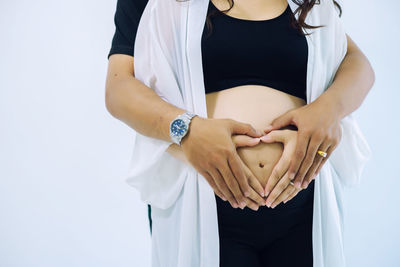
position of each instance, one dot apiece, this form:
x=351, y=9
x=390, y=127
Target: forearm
x=137, y=105
x=353, y=80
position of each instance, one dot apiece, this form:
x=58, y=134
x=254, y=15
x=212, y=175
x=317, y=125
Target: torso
x=237, y=89
x=255, y=102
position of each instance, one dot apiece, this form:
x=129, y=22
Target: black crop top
x=238, y=51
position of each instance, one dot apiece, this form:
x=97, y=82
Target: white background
x=63, y=198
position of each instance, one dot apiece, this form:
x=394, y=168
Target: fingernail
x=265, y=138
x=268, y=203
x=247, y=193
x=261, y=193
x=291, y=175
x=273, y=206
x=269, y=127
x=284, y=202
x=297, y=185
x=305, y=185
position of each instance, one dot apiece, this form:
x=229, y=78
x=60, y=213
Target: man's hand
x=209, y=148
x=318, y=129
x=318, y=122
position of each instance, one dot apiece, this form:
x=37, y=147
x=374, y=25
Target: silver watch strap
x=187, y=117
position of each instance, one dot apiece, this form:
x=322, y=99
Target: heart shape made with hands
x=278, y=188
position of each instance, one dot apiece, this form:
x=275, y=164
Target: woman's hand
x=209, y=148
x=278, y=186
x=255, y=200
x=319, y=128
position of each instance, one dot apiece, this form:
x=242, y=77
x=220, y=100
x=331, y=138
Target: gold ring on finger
x=322, y=153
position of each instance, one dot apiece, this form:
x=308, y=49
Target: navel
x=261, y=165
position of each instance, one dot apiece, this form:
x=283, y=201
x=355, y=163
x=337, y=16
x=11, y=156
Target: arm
x=207, y=146
x=353, y=80
x=319, y=121
x=132, y=102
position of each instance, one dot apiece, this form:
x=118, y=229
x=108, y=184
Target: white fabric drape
x=168, y=60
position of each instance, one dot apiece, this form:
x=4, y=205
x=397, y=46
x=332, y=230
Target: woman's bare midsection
x=259, y=106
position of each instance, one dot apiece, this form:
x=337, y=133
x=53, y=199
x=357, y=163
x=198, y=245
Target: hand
x=255, y=200
x=209, y=148
x=292, y=195
x=278, y=186
x=318, y=129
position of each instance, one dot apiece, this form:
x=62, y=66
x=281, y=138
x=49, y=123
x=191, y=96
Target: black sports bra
x=258, y=52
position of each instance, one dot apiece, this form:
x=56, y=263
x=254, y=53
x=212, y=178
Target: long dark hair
x=304, y=6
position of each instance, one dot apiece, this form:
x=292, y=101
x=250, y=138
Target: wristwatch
x=179, y=127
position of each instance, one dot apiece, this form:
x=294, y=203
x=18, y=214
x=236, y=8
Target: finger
x=214, y=186
x=254, y=183
x=251, y=203
x=237, y=168
x=245, y=140
x=287, y=192
x=231, y=181
x=244, y=128
x=256, y=197
x=282, y=121
x=277, y=190
x=256, y=186
x=292, y=195
x=279, y=170
x=223, y=187
x=297, y=158
x=328, y=152
x=274, y=136
x=233, y=186
x=313, y=146
x=317, y=161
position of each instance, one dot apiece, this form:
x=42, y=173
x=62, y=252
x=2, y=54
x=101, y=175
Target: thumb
x=282, y=121
x=244, y=128
x=244, y=140
x=274, y=136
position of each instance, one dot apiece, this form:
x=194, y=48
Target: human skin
x=208, y=144
x=257, y=105
x=125, y=98
x=319, y=120
x=318, y=123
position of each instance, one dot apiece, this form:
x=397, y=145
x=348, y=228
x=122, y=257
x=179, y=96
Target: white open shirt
x=168, y=60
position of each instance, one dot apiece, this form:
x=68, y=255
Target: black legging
x=280, y=237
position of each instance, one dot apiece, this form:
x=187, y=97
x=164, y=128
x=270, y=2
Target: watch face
x=178, y=127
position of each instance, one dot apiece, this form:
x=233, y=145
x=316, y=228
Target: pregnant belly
x=259, y=106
